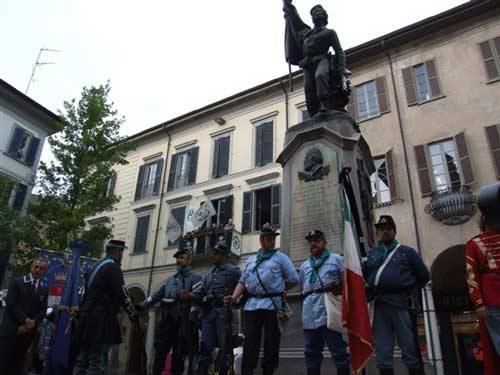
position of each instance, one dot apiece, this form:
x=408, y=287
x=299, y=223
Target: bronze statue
x=326, y=78
x=313, y=166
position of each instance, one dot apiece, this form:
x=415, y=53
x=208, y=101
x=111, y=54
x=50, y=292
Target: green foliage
x=74, y=186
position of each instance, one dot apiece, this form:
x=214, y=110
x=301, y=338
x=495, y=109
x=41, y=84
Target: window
x=148, y=181
x=264, y=143
x=303, y=112
x=493, y=136
x=220, y=166
x=141, y=233
x=421, y=83
x=179, y=214
x=491, y=56
x=260, y=207
x=380, y=182
x=110, y=187
x=20, y=197
x=369, y=99
x=23, y=146
x=183, y=168
x=444, y=164
x=445, y=169
x=223, y=212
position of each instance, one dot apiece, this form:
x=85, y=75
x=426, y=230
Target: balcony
x=204, y=240
x=452, y=207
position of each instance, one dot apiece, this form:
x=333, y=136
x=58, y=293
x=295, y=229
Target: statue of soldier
x=325, y=75
x=217, y=283
x=175, y=331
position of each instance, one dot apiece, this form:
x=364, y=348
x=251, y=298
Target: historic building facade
x=426, y=98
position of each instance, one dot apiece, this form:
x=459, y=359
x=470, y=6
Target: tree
x=75, y=185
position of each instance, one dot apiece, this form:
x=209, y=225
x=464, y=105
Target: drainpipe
x=159, y=215
x=431, y=330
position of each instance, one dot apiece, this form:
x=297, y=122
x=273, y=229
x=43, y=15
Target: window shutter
x=224, y=156
x=228, y=210
x=16, y=140
x=171, y=173
x=246, y=225
x=409, y=82
x=465, y=160
x=20, y=197
x=111, y=184
x=391, y=174
x=433, y=78
x=258, y=145
x=423, y=171
x=215, y=166
x=141, y=234
x=32, y=151
x=193, y=165
x=493, y=136
x=382, y=95
x=351, y=107
x=159, y=173
x=275, y=204
x=487, y=48
x=140, y=183
x=267, y=143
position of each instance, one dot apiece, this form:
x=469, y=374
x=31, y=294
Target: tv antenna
x=38, y=64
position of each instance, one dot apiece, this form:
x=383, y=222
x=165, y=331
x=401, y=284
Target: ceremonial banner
x=174, y=230
x=206, y=210
x=355, y=317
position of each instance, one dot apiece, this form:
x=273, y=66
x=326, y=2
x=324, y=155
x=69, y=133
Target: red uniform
x=482, y=256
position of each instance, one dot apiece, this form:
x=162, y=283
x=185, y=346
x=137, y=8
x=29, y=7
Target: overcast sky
x=167, y=57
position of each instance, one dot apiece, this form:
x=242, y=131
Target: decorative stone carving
x=313, y=166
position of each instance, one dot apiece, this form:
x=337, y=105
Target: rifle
x=228, y=343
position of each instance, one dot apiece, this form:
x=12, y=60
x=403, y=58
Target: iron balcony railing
x=452, y=206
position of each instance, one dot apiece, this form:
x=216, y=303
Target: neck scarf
x=386, y=249
x=184, y=270
x=316, y=264
x=262, y=256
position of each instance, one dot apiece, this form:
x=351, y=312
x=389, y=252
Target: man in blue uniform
x=395, y=274
x=265, y=279
x=174, y=331
x=217, y=283
x=321, y=273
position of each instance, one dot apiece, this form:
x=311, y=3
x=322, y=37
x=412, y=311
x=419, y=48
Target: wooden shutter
x=215, y=165
x=410, y=89
x=171, y=173
x=224, y=156
x=193, y=165
x=16, y=140
x=258, y=145
x=433, y=78
x=159, y=173
x=493, y=136
x=140, y=183
x=32, y=151
x=141, y=234
x=246, y=225
x=351, y=106
x=275, y=204
x=382, y=95
x=20, y=197
x=391, y=174
x=228, y=209
x=465, y=160
x=490, y=63
x=423, y=171
x=267, y=143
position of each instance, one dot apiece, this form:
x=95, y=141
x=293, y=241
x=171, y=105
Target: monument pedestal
x=314, y=154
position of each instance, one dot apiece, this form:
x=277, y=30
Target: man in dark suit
x=26, y=307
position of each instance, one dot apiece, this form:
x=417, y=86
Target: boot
x=416, y=371
x=246, y=371
x=343, y=371
x=267, y=371
x=313, y=371
x=386, y=371
x=202, y=370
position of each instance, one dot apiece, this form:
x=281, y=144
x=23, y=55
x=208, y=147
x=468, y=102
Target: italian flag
x=355, y=317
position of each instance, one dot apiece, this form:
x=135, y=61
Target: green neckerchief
x=109, y=256
x=184, y=270
x=385, y=250
x=316, y=264
x=221, y=264
x=261, y=256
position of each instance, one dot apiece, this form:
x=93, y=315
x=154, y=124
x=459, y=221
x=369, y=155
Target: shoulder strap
x=386, y=262
x=96, y=270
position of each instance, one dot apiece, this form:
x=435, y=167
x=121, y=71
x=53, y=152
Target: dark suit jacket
x=23, y=303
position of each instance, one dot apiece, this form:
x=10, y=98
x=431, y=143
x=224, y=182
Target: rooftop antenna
x=37, y=64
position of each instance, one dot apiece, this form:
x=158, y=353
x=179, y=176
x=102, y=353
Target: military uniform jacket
x=98, y=321
x=482, y=256
x=23, y=302
x=215, y=283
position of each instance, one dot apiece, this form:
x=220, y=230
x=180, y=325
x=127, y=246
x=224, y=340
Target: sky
x=165, y=58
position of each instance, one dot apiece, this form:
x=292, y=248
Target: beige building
x=426, y=98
